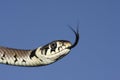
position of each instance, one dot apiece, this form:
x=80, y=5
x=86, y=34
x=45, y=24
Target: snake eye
x=53, y=46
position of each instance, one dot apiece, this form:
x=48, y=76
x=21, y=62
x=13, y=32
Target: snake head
x=57, y=49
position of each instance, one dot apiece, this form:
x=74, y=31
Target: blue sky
x=27, y=24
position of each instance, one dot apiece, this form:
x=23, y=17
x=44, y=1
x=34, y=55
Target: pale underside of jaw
x=58, y=54
x=48, y=59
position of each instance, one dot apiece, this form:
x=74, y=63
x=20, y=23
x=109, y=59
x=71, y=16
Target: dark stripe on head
x=32, y=54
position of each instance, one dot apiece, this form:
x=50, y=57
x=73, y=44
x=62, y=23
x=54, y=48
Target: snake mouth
x=59, y=55
x=76, y=37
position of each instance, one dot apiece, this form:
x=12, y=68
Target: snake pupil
x=53, y=46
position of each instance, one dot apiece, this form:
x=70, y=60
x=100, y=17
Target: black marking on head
x=45, y=48
x=41, y=60
x=32, y=54
x=59, y=48
x=15, y=56
x=63, y=43
x=53, y=46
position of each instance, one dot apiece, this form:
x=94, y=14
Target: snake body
x=40, y=56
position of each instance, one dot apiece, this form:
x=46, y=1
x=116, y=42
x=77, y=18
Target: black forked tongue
x=76, y=35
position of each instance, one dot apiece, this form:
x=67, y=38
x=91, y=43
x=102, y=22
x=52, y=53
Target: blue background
x=27, y=24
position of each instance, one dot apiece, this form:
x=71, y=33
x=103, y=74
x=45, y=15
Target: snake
x=40, y=56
